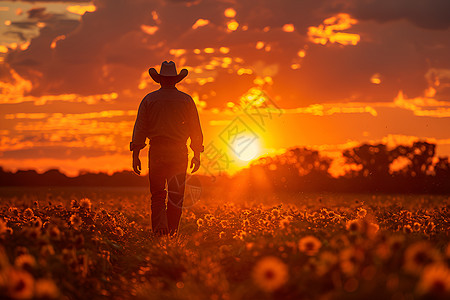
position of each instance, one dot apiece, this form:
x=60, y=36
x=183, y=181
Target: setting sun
x=246, y=148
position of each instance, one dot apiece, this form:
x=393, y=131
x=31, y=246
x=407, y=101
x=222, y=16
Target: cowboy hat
x=168, y=69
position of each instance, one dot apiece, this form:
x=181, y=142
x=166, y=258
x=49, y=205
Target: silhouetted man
x=167, y=117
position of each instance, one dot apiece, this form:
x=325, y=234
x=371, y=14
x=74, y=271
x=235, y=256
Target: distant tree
x=442, y=168
x=374, y=160
x=421, y=156
x=294, y=169
x=297, y=169
x=297, y=161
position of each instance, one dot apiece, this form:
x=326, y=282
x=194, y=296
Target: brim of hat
x=157, y=77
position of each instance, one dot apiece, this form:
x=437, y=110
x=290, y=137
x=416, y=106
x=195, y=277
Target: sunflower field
x=101, y=247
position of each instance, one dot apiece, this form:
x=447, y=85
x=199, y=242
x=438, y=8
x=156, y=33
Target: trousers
x=167, y=168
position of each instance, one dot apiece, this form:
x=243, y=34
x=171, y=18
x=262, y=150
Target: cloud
x=331, y=31
x=81, y=116
x=423, y=106
x=329, y=109
x=59, y=135
x=72, y=166
x=430, y=14
x=109, y=49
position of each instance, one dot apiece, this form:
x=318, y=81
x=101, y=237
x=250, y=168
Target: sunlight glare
x=246, y=148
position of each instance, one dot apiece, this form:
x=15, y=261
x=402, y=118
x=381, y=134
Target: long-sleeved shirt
x=169, y=114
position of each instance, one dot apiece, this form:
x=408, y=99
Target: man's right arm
x=139, y=135
x=140, y=127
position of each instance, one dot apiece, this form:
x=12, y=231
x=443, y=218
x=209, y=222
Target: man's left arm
x=196, y=135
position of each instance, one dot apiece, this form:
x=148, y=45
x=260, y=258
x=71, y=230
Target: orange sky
x=335, y=73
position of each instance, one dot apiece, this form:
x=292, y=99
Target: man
x=167, y=117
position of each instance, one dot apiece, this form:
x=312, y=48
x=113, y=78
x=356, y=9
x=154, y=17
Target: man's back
x=169, y=114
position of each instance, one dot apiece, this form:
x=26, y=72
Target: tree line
x=371, y=168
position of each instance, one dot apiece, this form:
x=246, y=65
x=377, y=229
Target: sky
x=327, y=75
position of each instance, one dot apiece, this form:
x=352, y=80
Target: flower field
x=100, y=247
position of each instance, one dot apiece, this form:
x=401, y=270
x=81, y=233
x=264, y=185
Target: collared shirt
x=167, y=114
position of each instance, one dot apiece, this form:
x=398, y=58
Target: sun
x=246, y=148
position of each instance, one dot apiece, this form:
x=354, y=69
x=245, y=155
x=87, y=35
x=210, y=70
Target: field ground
x=94, y=243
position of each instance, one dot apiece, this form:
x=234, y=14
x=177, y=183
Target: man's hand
x=136, y=164
x=195, y=162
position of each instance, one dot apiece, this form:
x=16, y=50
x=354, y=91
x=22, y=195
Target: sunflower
x=430, y=226
x=435, y=280
x=339, y=241
x=28, y=213
x=310, y=245
x=395, y=242
x=240, y=235
x=407, y=229
x=37, y=223
x=200, y=222
x=224, y=251
x=418, y=255
x=372, y=229
x=47, y=250
x=354, y=226
x=54, y=232
x=78, y=240
x=270, y=273
x=275, y=212
x=46, y=289
x=350, y=259
x=74, y=204
x=25, y=262
x=382, y=251
x=33, y=233
x=284, y=223
x=416, y=226
x=13, y=211
x=76, y=221
x=85, y=204
x=20, y=284
x=326, y=261
x=21, y=250
x=361, y=213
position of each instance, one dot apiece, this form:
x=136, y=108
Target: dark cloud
x=430, y=14
x=19, y=34
x=24, y=24
x=38, y=13
x=107, y=51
